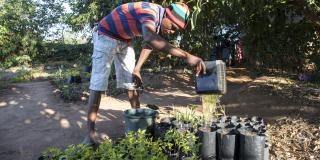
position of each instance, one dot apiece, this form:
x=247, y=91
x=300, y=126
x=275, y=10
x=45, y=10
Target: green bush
x=107, y=151
x=65, y=52
x=139, y=146
x=22, y=76
x=135, y=146
x=78, y=152
x=16, y=60
x=74, y=91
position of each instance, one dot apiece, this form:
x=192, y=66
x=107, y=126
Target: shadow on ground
x=33, y=118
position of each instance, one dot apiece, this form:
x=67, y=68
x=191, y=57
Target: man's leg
x=93, y=104
x=124, y=65
x=134, y=98
x=102, y=58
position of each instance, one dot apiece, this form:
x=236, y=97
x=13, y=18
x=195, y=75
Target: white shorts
x=105, y=51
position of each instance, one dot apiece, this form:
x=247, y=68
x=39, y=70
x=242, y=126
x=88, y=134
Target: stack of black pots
x=230, y=138
x=227, y=138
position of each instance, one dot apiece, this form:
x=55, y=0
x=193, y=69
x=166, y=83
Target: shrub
x=65, y=52
x=52, y=153
x=139, y=146
x=135, y=146
x=107, y=151
x=78, y=152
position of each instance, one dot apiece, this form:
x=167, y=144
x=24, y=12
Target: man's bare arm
x=145, y=52
x=160, y=44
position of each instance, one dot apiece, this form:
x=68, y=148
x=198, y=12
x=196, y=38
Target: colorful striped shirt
x=125, y=22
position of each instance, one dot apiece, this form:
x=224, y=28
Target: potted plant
x=181, y=145
x=171, y=139
x=85, y=62
x=186, y=120
x=161, y=129
x=252, y=144
x=74, y=76
x=207, y=139
x=137, y=145
x=85, y=77
x=226, y=143
x=193, y=145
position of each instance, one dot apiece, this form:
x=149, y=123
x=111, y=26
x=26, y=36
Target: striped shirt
x=125, y=22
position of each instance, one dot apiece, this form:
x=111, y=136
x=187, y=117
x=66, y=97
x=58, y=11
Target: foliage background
x=276, y=34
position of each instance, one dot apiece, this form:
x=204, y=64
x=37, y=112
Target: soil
x=249, y=133
x=206, y=129
x=33, y=118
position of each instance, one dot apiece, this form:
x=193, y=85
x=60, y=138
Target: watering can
x=214, y=81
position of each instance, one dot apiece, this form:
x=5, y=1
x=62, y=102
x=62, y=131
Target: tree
x=280, y=34
x=277, y=34
x=23, y=24
x=89, y=12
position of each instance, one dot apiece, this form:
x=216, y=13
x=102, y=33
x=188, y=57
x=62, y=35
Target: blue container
x=141, y=118
x=214, y=81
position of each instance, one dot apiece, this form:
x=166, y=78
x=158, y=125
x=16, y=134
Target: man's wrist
x=186, y=55
x=136, y=70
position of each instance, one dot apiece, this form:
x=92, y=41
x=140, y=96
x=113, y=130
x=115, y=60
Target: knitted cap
x=178, y=13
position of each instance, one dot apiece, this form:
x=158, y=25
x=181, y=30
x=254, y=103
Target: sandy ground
x=32, y=118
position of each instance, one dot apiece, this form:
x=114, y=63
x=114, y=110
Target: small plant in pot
x=252, y=144
x=193, y=144
x=227, y=145
x=74, y=76
x=181, y=145
x=85, y=77
x=137, y=145
x=186, y=120
x=211, y=108
x=207, y=138
x=85, y=62
x=161, y=129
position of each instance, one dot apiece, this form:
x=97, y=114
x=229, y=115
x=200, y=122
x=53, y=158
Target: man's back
x=125, y=22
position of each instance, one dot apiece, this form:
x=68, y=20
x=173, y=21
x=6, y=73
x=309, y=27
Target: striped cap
x=178, y=13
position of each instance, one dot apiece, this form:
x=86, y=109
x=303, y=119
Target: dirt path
x=33, y=118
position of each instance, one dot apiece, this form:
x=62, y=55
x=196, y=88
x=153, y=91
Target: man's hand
x=200, y=67
x=137, y=80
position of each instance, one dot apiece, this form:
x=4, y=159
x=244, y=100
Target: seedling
x=188, y=116
x=211, y=108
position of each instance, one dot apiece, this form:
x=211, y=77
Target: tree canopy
x=279, y=34
x=23, y=25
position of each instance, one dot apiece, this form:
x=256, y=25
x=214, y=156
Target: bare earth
x=32, y=118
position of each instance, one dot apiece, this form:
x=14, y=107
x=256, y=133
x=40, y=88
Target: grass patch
x=29, y=75
x=18, y=75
